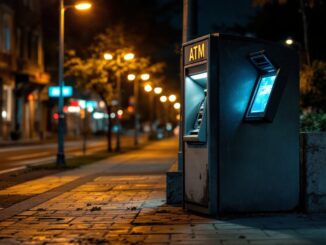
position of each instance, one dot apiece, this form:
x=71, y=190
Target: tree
x=284, y=13
x=97, y=74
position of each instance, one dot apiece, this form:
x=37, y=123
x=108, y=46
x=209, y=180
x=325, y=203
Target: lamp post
x=132, y=77
x=62, y=8
x=126, y=57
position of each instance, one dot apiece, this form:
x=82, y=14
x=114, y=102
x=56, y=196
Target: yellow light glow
x=178, y=117
x=158, y=90
x=177, y=106
x=129, y=56
x=172, y=98
x=108, y=56
x=145, y=76
x=289, y=41
x=83, y=6
x=131, y=77
x=148, y=88
x=120, y=112
x=163, y=98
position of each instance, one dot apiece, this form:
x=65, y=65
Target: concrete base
x=313, y=163
x=174, y=188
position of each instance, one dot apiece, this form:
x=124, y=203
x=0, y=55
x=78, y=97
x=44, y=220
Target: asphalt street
x=16, y=157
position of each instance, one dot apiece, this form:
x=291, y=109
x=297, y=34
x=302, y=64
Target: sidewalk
x=122, y=201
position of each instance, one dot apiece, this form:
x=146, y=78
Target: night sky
x=221, y=12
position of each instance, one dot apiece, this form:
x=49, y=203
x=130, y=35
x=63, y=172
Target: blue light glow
x=54, y=91
x=265, y=87
x=199, y=76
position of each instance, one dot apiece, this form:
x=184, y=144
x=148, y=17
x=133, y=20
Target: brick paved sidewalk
x=126, y=205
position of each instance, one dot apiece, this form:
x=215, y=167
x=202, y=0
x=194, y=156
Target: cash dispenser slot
x=195, y=105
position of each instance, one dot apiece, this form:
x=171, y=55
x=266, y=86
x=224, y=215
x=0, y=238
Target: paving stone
x=131, y=209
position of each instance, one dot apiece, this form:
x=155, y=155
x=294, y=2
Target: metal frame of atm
x=211, y=100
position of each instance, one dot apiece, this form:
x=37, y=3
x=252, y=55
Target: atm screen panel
x=262, y=95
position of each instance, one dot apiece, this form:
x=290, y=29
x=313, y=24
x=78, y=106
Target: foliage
x=313, y=122
x=313, y=86
x=99, y=75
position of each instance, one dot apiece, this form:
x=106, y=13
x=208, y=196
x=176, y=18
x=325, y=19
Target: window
x=6, y=33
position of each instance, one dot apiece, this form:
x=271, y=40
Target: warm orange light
x=163, y=98
x=177, y=106
x=83, y=6
x=108, y=56
x=129, y=56
x=158, y=90
x=148, y=88
x=131, y=77
x=145, y=76
x=172, y=98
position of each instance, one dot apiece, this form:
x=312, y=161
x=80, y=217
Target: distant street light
x=126, y=57
x=158, y=90
x=172, y=98
x=131, y=77
x=163, y=99
x=177, y=106
x=148, y=88
x=108, y=56
x=79, y=6
x=289, y=41
x=129, y=56
x=144, y=76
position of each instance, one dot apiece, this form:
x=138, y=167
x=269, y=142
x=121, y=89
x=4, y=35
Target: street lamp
x=79, y=6
x=129, y=56
x=148, y=88
x=83, y=6
x=131, y=77
x=163, y=99
x=177, y=106
x=108, y=56
x=289, y=41
x=172, y=98
x=145, y=76
x=158, y=90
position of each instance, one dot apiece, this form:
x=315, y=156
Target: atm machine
x=240, y=126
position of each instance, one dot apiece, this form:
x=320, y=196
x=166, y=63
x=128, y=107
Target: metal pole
x=61, y=154
x=136, y=92
x=118, y=148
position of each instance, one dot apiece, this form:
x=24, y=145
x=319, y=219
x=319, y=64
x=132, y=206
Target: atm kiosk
x=240, y=126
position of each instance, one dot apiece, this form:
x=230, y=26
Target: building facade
x=23, y=79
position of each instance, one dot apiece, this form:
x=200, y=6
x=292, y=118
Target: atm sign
x=196, y=52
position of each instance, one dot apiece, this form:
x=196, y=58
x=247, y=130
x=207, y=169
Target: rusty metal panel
x=196, y=174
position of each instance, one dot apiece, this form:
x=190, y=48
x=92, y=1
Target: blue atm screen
x=265, y=87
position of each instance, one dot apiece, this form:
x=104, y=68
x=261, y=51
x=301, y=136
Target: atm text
x=197, y=52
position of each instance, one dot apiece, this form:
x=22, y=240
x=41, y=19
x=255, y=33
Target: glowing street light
x=163, y=98
x=158, y=90
x=84, y=5
x=172, y=98
x=148, y=88
x=289, y=41
x=129, y=56
x=177, y=106
x=108, y=56
x=145, y=76
x=131, y=77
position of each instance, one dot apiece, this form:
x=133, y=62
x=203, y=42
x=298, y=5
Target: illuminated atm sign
x=196, y=52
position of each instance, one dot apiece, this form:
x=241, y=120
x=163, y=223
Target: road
x=14, y=158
